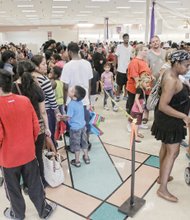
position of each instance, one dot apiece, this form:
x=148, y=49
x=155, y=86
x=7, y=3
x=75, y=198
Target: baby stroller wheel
x=187, y=175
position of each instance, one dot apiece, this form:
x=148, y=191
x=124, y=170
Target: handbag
x=154, y=96
x=53, y=171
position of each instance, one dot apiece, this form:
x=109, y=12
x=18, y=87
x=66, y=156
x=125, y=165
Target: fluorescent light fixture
x=123, y=7
x=138, y=12
x=62, y=0
x=138, y=1
x=58, y=12
x=92, y=6
x=100, y=0
x=85, y=25
x=81, y=15
x=172, y=2
x=57, y=15
x=25, y=6
x=2, y=12
x=31, y=15
x=28, y=11
x=86, y=12
x=59, y=6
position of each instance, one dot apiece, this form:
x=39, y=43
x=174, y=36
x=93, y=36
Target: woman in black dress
x=171, y=119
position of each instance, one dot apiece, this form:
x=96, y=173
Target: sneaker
x=184, y=144
x=188, y=155
x=143, y=126
x=117, y=99
x=125, y=98
x=8, y=213
x=76, y=164
x=1, y=181
x=106, y=108
x=52, y=206
x=115, y=108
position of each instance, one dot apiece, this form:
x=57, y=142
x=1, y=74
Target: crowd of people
x=63, y=83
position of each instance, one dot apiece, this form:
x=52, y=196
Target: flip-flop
x=138, y=141
x=140, y=135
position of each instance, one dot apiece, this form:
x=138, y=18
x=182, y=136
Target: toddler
x=108, y=86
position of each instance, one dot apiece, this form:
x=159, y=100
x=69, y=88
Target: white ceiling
x=45, y=12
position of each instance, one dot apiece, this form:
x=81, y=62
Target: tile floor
x=96, y=191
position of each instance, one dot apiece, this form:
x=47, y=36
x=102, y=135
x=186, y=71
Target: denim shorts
x=78, y=139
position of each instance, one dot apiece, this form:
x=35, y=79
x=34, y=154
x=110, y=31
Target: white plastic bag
x=53, y=171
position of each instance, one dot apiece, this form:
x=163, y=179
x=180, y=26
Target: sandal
x=137, y=140
x=144, y=120
x=76, y=164
x=140, y=135
x=86, y=160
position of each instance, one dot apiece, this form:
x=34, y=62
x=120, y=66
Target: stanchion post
x=133, y=204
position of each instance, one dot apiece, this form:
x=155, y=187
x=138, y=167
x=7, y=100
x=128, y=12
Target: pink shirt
x=107, y=80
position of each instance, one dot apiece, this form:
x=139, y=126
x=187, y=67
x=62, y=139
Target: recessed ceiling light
x=62, y=0
x=31, y=15
x=92, y=6
x=139, y=1
x=59, y=6
x=100, y=0
x=172, y=2
x=123, y=7
x=28, y=11
x=25, y=6
x=58, y=12
x=86, y=12
x=82, y=15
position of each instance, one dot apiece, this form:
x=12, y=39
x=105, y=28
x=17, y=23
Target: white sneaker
x=143, y=126
x=106, y=108
x=115, y=108
x=117, y=98
x=129, y=127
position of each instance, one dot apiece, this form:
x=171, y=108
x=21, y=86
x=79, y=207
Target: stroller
x=187, y=175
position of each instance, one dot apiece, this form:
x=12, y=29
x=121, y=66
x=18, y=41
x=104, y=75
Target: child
x=78, y=135
x=59, y=89
x=108, y=85
x=140, y=101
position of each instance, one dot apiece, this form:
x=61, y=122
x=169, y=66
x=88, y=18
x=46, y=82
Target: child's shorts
x=78, y=139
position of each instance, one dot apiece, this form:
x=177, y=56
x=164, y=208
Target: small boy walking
x=78, y=135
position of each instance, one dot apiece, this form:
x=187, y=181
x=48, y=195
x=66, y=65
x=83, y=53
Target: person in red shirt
x=19, y=128
x=136, y=68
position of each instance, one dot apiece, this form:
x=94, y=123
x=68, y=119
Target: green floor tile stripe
x=153, y=161
x=107, y=212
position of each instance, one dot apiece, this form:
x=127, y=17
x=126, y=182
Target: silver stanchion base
x=129, y=209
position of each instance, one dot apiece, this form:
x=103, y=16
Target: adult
x=77, y=72
x=171, y=117
x=123, y=56
x=8, y=59
x=99, y=59
x=25, y=85
x=17, y=151
x=156, y=57
x=137, y=66
x=50, y=101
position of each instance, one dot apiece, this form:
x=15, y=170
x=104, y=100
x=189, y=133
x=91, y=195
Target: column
x=147, y=29
x=106, y=30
